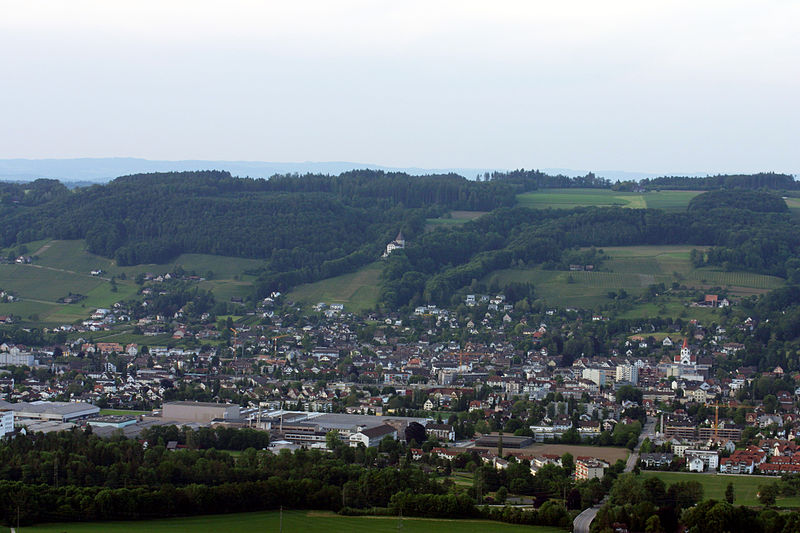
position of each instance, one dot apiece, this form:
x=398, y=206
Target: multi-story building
x=628, y=373
x=6, y=422
x=589, y=468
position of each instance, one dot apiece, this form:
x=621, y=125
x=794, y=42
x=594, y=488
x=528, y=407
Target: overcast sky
x=666, y=87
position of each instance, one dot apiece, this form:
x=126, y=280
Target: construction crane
x=235, y=340
x=275, y=341
x=468, y=354
x=716, y=419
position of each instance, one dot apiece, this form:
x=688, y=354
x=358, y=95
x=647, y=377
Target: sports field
x=569, y=198
x=358, y=290
x=634, y=268
x=714, y=485
x=293, y=521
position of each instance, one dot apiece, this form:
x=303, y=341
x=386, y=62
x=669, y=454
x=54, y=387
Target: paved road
x=647, y=431
x=583, y=521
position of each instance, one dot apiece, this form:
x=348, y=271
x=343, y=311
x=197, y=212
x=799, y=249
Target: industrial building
x=201, y=412
x=61, y=412
x=371, y=437
x=112, y=421
x=310, y=428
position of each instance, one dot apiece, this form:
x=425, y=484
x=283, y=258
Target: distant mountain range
x=101, y=170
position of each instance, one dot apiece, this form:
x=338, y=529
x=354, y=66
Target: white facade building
x=629, y=373
x=6, y=422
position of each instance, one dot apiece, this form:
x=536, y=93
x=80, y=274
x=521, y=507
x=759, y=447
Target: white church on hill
x=398, y=243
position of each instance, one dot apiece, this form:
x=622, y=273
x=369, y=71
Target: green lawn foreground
x=293, y=521
x=745, y=486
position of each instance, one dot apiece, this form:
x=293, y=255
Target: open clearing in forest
x=453, y=217
x=293, y=521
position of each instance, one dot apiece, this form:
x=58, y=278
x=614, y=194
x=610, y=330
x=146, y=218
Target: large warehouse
x=50, y=411
x=201, y=412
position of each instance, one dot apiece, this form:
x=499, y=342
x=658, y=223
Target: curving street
x=583, y=522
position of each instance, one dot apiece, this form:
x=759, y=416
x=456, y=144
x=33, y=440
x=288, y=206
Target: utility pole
x=281, y=520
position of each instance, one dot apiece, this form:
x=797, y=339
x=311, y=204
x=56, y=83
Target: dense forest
x=764, y=180
x=755, y=201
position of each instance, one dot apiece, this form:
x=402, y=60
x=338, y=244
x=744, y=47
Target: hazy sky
x=673, y=86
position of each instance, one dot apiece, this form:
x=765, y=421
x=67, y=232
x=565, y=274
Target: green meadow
x=291, y=521
x=62, y=267
x=358, y=290
x=745, y=487
x=634, y=268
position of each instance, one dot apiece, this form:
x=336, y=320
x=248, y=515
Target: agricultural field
x=292, y=521
x=714, y=485
x=633, y=269
x=71, y=256
x=570, y=198
x=793, y=204
x=63, y=267
x=607, y=453
x=357, y=291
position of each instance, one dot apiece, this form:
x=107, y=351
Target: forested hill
x=304, y=227
x=436, y=266
x=764, y=180
x=312, y=227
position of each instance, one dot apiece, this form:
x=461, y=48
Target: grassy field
x=634, y=268
x=714, y=485
x=794, y=205
x=357, y=291
x=569, y=198
x=62, y=267
x=293, y=521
